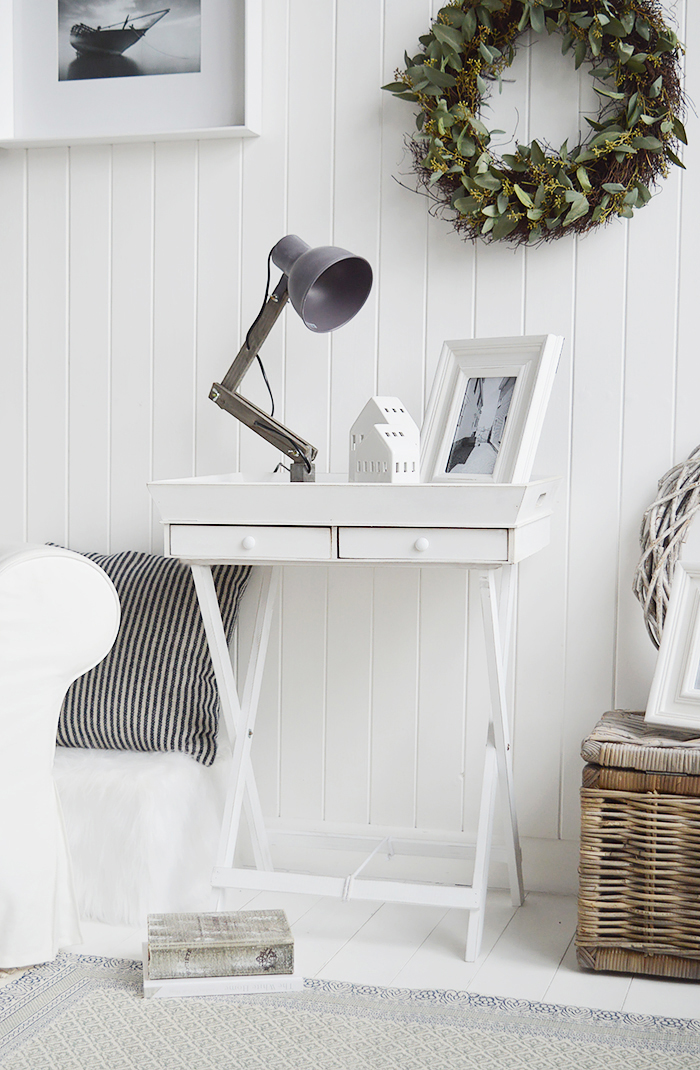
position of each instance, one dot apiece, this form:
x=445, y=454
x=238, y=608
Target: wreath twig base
x=665, y=527
x=539, y=193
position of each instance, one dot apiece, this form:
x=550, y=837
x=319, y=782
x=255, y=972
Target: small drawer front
x=424, y=544
x=229, y=542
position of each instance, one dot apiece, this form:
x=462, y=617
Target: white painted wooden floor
x=526, y=953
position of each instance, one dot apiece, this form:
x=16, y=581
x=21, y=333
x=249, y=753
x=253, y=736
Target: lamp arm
x=266, y=426
x=257, y=335
x=226, y=395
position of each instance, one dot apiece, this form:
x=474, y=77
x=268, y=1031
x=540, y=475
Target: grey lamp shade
x=327, y=285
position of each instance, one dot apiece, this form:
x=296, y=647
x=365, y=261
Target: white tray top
x=237, y=498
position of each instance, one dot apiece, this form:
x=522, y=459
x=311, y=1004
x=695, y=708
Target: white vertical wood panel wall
x=128, y=274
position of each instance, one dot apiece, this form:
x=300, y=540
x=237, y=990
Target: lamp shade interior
x=327, y=285
x=334, y=297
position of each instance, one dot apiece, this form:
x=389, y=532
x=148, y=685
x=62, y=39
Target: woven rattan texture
x=664, y=529
x=622, y=961
x=622, y=739
x=604, y=777
x=639, y=882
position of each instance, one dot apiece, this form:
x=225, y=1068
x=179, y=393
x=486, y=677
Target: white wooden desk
x=271, y=522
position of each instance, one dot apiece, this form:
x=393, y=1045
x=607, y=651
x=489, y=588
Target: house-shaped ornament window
x=384, y=444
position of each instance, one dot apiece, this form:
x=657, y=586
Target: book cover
x=220, y=944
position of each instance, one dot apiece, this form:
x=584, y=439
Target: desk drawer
x=424, y=544
x=230, y=542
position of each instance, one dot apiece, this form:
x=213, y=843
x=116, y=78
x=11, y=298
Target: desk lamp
x=327, y=286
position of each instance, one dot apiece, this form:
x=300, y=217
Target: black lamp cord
x=306, y=461
x=247, y=337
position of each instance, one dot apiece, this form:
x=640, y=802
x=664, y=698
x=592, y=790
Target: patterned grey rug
x=86, y=1013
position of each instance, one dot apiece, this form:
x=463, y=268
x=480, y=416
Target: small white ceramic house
x=384, y=444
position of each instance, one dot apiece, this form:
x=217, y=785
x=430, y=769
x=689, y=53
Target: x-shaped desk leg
x=239, y=716
x=497, y=612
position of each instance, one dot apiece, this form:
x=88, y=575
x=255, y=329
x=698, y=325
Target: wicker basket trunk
x=639, y=873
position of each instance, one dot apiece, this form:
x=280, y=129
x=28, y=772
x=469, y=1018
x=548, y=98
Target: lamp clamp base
x=300, y=473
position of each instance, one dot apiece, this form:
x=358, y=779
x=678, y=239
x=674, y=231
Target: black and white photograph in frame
x=212, y=47
x=128, y=38
x=481, y=424
x=486, y=408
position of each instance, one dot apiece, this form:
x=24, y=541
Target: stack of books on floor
x=242, y=951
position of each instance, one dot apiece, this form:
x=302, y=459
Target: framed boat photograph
x=486, y=408
x=674, y=696
x=122, y=49
x=123, y=70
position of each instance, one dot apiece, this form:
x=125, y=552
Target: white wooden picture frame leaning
x=674, y=697
x=486, y=409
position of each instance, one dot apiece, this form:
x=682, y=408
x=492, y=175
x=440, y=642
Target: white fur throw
x=142, y=828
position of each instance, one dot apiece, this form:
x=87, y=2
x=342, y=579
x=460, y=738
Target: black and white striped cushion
x=155, y=690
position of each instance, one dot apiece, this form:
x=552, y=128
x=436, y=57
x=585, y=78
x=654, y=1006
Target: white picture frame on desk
x=674, y=697
x=486, y=409
x=40, y=107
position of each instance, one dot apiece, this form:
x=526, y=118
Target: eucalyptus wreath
x=538, y=193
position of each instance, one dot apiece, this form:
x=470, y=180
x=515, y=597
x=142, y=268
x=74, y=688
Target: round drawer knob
x=248, y=543
x=421, y=545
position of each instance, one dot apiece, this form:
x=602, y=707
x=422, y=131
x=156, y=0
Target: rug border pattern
x=53, y=987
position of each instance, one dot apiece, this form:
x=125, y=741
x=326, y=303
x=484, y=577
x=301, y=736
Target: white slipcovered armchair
x=59, y=615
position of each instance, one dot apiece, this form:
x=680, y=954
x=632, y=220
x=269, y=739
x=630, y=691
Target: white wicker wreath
x=664, y=530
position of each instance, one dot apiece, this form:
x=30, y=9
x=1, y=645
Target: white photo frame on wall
x=195, y=73
x=674, y=697
x=486, y=409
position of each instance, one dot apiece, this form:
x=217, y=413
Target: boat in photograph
x=115, y=39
